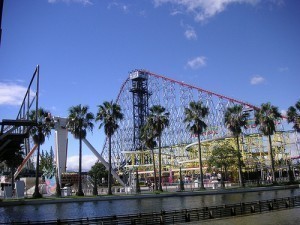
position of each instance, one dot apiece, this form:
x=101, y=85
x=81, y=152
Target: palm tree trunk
x=109, y=164
x=200, y=163
x=226, y=173
x=241, y=180
x=159, y=164
x=36, y=193
x=222, y=178
x=80, y=192
x=290, y=173
x=95, y=188
x=272, y=160
x=12, y=172
x=154, y=170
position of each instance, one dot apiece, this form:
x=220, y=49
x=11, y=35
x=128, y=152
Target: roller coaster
x=143, y=89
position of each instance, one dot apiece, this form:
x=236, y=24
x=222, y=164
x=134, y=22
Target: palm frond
x=235, y=119
x=194, y=117
x=109, y=114
x=80, y=120
x=266, y=118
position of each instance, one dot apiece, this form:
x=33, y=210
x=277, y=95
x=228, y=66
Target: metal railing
x=184, y=215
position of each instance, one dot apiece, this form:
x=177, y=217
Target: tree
x=79, y=122
x=223, y=156
x=13, y=158
x=235, y=119
x=293, y=115
x=158, y=120
x=266, y=117
x=97, y=172
x=194, y=118
x=38, y=133
x=47, y=164
x=49, y=169
x=109, y=114
x=148, y=136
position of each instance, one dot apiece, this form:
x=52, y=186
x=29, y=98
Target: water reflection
x=118, y=207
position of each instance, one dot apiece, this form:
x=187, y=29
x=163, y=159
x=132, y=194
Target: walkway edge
x=16, y=202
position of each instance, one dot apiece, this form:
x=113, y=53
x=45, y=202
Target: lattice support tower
x=140, y=95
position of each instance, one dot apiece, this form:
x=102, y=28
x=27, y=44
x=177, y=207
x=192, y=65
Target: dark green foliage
x=194, y=118
x=38, y=133
x=109, y=114
x=44, y=125
x=12, y=159
x=157, y=121
x=47, y=164
x=79, y=122
x=235, y=119
x=223, y=156
x=266, y=118
x=97, y=172
x=148, y=138
x=293, y=116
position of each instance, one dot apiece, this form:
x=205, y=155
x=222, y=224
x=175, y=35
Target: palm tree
x=194, y=118
x=235, y=119
x=109, y=114
x=158, y=120
x=293, y=116
x=147, y=136
x=79, y=121
x=38, y=133
x=266, y=117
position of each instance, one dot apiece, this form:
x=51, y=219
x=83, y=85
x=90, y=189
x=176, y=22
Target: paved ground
x=283, y=217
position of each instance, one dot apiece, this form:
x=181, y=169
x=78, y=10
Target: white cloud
x=283, y=112
x=87, y=162
x=204, y=9
x=175, y=12
x=190, y=33
x=84, y=2
x=11, y=93
x=257, y=79
x=122, y=7
x=197, y=62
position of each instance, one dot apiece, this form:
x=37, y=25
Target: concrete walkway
x=282, y=217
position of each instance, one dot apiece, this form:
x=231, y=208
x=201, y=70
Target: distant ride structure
x=143, y=89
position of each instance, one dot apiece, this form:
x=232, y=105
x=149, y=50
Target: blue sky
x=245, y=49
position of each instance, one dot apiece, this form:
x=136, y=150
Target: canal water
x=131, y=206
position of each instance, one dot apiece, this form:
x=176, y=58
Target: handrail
x=185, y=215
